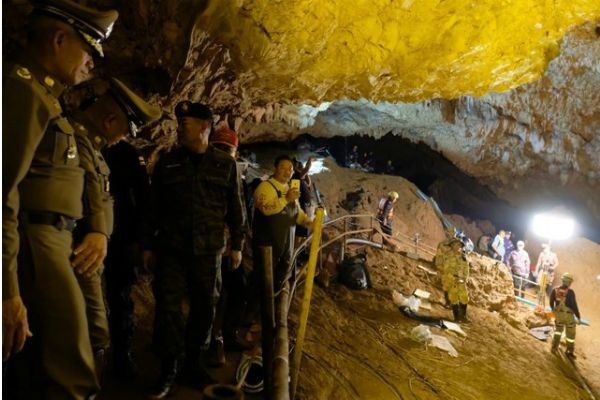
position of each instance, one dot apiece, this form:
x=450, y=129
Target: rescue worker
x=546, y=264
x=195, y=189
x=454, y=267
x=103, y=120
x=42, y=188
x=353, y=157
x=497, y=247
x=276, y=214
x=519, y=264
x=508, y=246
x=306, y=193
x=129, y=186
x=389, y=168
x=385, y=212
x=231, y=301
x=564, y=305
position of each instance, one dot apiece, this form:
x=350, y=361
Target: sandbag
x=353, y=272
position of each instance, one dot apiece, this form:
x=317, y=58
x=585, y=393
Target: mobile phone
x=295, y=184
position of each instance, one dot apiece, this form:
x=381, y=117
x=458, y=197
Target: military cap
x=225, y=136
x=194, y=110
x=93, y=25
x=137, y=110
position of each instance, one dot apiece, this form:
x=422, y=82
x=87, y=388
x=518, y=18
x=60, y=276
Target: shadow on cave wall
x=431, y=172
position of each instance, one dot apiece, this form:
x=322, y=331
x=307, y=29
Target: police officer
x=42, y=187
x=564, y=305
x=195, y=190
x=231, y=300
x=129, y=186
x=103, y=121
x=452, y=263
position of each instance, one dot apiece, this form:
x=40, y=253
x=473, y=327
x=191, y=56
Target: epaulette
x=23, y=72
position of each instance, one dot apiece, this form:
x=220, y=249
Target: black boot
x=125, y=368
x=193, y=374
x=463, y=313
x=456, y=312
x=216, y=353
x=166, y=381
x=100, y=362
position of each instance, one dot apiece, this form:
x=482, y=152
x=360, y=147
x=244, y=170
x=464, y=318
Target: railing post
x=281, y=366
x=305, y=307
x=267, y=318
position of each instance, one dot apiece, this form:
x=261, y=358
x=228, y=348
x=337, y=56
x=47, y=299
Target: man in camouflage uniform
x=453, y=265
x=103, y=120
x=195, y=190
x=42, y=188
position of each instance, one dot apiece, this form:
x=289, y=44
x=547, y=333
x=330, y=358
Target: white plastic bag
x=442, y=343
x=398, y=299
x=414, y=303
x=421, y=333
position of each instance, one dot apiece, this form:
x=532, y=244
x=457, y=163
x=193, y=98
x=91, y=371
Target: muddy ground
x=359, y=345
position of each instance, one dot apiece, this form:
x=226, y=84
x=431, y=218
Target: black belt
x=59, y=221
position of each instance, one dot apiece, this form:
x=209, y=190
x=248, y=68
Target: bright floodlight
x=553, y=227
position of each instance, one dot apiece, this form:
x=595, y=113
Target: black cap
x=137, y=110
x=194, y=110
x=93, y=25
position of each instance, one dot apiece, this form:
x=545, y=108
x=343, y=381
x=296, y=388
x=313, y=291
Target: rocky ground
x=359, y=345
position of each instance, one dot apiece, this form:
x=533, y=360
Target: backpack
x=353, y=272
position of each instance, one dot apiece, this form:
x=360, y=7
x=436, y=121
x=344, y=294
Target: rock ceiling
x=508, y=90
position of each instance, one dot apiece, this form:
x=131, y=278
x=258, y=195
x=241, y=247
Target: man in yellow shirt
x=276, y=213
x=275, y=217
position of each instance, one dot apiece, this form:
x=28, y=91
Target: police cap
x=194, y=110
x=137, y=110
x=93, y=25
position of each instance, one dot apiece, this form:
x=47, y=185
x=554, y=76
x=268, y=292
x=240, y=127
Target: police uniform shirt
x=38, y=147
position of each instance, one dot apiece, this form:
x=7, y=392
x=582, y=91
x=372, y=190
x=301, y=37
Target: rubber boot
x=193, y=374
x=463, y=313
x=555, y=343
x=216, y=353
x=570, y=350
x=166, y=381
x=125, y=368
x=456, y=312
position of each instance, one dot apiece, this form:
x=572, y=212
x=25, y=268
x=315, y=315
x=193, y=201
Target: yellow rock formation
x=391, y=50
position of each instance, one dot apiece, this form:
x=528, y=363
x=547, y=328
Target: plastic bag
x=421, y=333
x=399, y=299
x=414, y=303
x=442, y=343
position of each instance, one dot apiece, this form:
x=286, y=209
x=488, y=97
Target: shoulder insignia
x=49, y=81
x=23, y=73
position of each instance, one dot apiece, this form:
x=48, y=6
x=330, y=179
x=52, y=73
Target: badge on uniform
x=24, y=73
x=49, y=81
x=72, y=152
